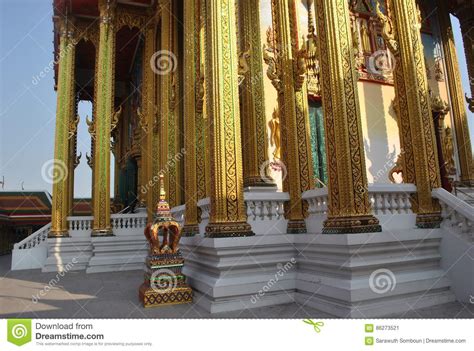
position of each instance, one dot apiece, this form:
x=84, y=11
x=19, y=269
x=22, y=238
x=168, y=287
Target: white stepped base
x=67, y=254
x=228, y=273
x=332, y=272
x=240, y=303
x=117, y=253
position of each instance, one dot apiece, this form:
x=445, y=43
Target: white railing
x=317, y=209
x=390, y=203
x=34, y=239
x=265, y=211
x=80, y=225
x=391, y=199
x=130, y=223
x=458, y=237
x=205, y=206
x=317, y=201
x=457, y=214
x=177, y=213
x=31, y=252
x=265, y=205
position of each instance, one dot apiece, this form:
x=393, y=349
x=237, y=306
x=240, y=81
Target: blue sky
x=27, y=110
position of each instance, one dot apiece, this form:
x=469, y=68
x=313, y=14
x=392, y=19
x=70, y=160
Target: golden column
x=456, y=94
x=228, y=217
x=150, y=187
x=193, y=103
x=254, y=137
x=73, y=160
x=167, y=61
x=103, y=119
x=417, y=136
x=287, y=70
x=64, y=115
x=349, y=209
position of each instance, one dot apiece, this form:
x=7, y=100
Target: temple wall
x=379, y=125
x=380, y=130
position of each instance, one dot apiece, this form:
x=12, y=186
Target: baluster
x=393, y=203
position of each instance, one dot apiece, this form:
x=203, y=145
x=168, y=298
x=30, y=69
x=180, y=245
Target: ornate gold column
x=103, y=119
x=254, y=137
x=349, y=209
x=148, y=120
x=193, y=109
x=456, y=93
x=287, y=70
x=73, y=160
x=417, y=137
x=64, y=116
x=203, y=137
x=169, y=109
x=228, y=215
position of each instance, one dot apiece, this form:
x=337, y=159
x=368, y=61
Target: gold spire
x=162, y=188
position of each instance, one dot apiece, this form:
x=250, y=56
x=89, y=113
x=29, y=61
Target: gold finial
x=162, y=188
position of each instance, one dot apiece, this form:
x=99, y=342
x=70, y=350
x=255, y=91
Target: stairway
x=464, y=192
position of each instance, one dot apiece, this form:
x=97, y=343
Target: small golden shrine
x=164, y=284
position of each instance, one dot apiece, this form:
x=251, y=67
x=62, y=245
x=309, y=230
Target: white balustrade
x=31, y=252
x=391, y=199
x=128, y=224
x=390, y=203
x=35, y=239
x=457, y=214
x=457, y=241
x=80, y=226
x=177, y=213
x=317, y=209
x=205, y=206
x=265, y=211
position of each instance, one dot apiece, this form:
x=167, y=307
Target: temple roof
x=25, y=206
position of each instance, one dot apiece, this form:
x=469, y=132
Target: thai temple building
x=313, y=144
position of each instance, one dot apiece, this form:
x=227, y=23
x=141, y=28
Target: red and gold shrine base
x=165, y=283
x=152, y=298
